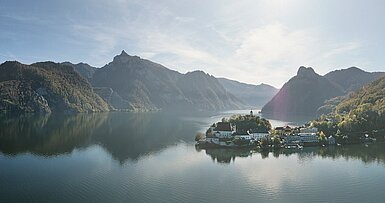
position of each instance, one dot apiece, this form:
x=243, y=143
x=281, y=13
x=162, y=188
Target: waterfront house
x=259, y=136
x=292, y=139
x=308, y=130
x=243, y=137
x=279, y=130
x=302, y=138
x=224, y=130
x=287, y=130
x=283, y=131
x=308, y=137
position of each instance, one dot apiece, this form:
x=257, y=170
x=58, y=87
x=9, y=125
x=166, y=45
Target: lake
x=151, y=157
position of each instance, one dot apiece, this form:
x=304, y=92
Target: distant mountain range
x=254, y=95
x=236, y=94
x=128, y=83
x=308, y=94
x=144, y=85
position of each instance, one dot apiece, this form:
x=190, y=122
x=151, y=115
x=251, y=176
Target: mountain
x=253, y=95
x=206, y=92
x=352, y=78
x=361, y=112
x=46, y=87
x=83, y=69
x=349, y=80
x=370, y=96
x=364, y=109
x=302, y=95
x=144, y=85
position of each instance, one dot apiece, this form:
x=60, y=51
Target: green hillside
x=46, y=87
x=362, y=111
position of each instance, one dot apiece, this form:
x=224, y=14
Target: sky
x=252, y=41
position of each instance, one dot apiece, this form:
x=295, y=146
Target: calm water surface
x=151, y=157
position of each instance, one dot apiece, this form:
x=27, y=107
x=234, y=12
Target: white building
x=259, y=136
x=308, y=137
x=308, y=130
x=243, y=137
x=224, y=130
x=302, y=138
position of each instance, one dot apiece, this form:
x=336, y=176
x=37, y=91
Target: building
x=302, y=138
x=224, y=130
x=308, y=137
x=308, y=130
x=295, y=139
x=259, y=136
x=243, y=137
x=287, y=130
x=279, y=130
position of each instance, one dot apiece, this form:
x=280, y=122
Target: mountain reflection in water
x=150, y=157
x=123, y=135
x=129, y=136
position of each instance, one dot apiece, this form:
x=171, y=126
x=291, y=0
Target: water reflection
x=225, y=156
x=129, y=136
x=47, y=135
x=123, y=135
x=367, y=153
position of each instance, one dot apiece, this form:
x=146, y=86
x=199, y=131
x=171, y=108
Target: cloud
x=274, y=52
x=268, y=53
x=343, y=48
x=251, y=41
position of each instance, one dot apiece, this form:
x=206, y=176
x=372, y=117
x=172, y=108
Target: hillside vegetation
x=361, y=112
x=46, y=87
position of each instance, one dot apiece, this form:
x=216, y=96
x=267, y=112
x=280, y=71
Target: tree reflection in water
x=367, y=153
x=130, y=136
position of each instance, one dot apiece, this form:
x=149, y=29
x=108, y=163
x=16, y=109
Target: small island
x=251, y=131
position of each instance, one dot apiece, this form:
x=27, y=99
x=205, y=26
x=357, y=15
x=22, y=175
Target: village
x=253, y=131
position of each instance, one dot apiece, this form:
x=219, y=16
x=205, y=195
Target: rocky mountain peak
x=306, y=72
x=123, y=57
x=123, y=53
x=196, y=72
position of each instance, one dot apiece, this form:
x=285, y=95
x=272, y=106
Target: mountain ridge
x=301, y=95
x=309, y=94
x=254, y=95
x=144, y=84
